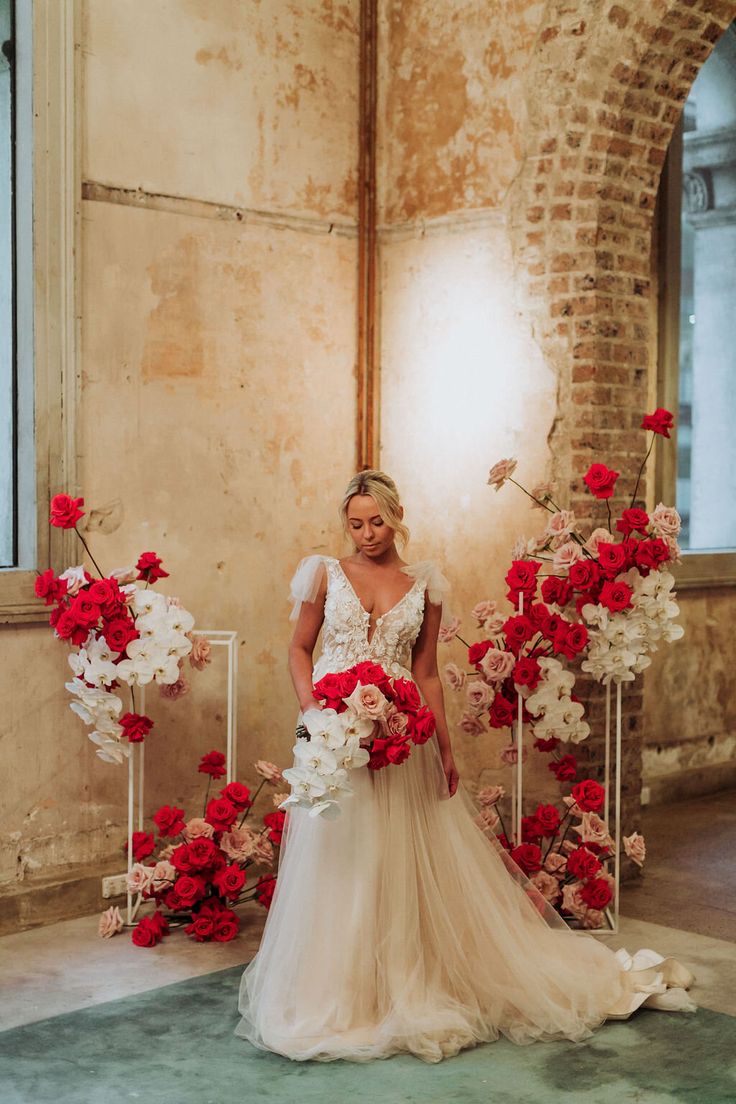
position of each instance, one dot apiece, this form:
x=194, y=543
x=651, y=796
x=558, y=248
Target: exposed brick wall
x=605, y=89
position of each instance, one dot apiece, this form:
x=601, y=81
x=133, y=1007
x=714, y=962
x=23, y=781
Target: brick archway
x=604, y=93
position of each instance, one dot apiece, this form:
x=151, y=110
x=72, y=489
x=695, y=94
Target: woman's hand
x=448, y=766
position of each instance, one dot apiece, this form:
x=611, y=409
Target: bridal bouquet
x=198, y=867
x=124, y=634
x=368, y=719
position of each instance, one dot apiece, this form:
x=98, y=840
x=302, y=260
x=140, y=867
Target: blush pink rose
x=479, y=694
x=397, y=723
x=487, y=820
x=500, y=472
x=548, y=886
x=174, y=690
x=595, y=538
x=449, y=631
x=510, y=754
x=269, y=771
x=491, y=795
x=367, y=702
x=555, y=863
x=665, y=521
x=196, y=827
x=566, y=555
x=454, y=676
x=496, y=665
x=111, y=922
x=139, y=878
x=199, y=656
x=471, y=725
x=239, y=843
x=635, y=848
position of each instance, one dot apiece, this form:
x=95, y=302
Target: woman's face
x=370, y=533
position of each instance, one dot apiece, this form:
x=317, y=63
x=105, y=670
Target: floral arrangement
x=367, y=719
x=124, y=634
x=615, y=579
x=198, y=868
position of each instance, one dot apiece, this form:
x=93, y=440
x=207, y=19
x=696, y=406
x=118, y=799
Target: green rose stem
x=500, y=818
x=551, y=842
x=458, y=637
x=206, y=794
x=641, y=469
x=533, y=497
x=94, y=561
x=253, y=801
x=610, y=523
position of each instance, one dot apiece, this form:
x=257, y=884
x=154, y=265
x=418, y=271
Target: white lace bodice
x=347, y=638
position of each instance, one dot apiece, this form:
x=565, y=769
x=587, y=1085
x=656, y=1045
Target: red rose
x=136, y=726
x=190, y=888
x=422, y=725
x=204, y=923
x=528, y=856
x=406, y=696
x=526, y=672
x=84, y=610
x=144, y=844
x=330, y=690
x=539, y=615
x=582, y=863
x=589, y=795
x=172, y=900
x=65, y=512
x=227, y=926
x=546, y=745
x=584, y=574
x=221, y=814
x=149, y=567
x=118, y=633
x=612, y=557
x=502, y=712
x=229, y=881
x=378, y=757
x=615, y=596
x=661, y=421
x=565, y=768
x=237, y=794
x=347, y=681
x=600, y=480
x=570, y=639
x=651, y=553
x=596, y=893
x=200, y=854
x=371, y=674
x=530, y=829
x=476, y=652
x=557, y=590
x=633, y=520
x=275, y=823
x=517, y=631
x=548, y=819
x=100, y=591
x=397, y=753
x=265, y=887
x=50, y=588
x=213, y=763
x=169, y=820
x=68, y=628
x=146, y=933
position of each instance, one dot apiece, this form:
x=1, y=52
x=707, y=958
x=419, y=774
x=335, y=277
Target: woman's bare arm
x=427, y=678
x=301, y=648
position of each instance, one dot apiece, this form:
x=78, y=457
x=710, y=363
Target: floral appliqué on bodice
x=348, y=637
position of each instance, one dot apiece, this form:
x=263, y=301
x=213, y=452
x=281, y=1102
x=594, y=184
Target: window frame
x=49, y=93
x=699, y=568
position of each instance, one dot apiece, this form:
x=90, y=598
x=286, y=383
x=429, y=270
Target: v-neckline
x=367, y=613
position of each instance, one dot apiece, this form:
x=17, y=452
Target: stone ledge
x=63, y=896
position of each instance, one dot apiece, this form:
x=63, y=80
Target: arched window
x=697, y=361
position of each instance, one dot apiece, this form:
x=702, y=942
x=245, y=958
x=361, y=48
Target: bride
x=401, y=925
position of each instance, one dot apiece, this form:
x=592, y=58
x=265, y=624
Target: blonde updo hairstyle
x=382, y=488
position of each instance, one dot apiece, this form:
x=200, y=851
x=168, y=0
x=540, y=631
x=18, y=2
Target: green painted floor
x=175, y=1045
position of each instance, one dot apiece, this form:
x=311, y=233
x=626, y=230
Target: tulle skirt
x=403, y=926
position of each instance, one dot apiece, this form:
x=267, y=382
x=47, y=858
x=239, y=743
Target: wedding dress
x=403, y=926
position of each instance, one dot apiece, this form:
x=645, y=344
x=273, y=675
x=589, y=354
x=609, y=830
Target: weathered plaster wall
x=216, y=422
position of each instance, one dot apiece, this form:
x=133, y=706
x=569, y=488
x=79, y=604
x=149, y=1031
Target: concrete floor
x=685, y=906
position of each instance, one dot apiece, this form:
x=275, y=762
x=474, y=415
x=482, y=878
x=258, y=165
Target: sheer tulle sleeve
x=305, y=583
x=436, y=584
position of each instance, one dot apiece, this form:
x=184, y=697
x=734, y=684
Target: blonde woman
x=402, y=925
